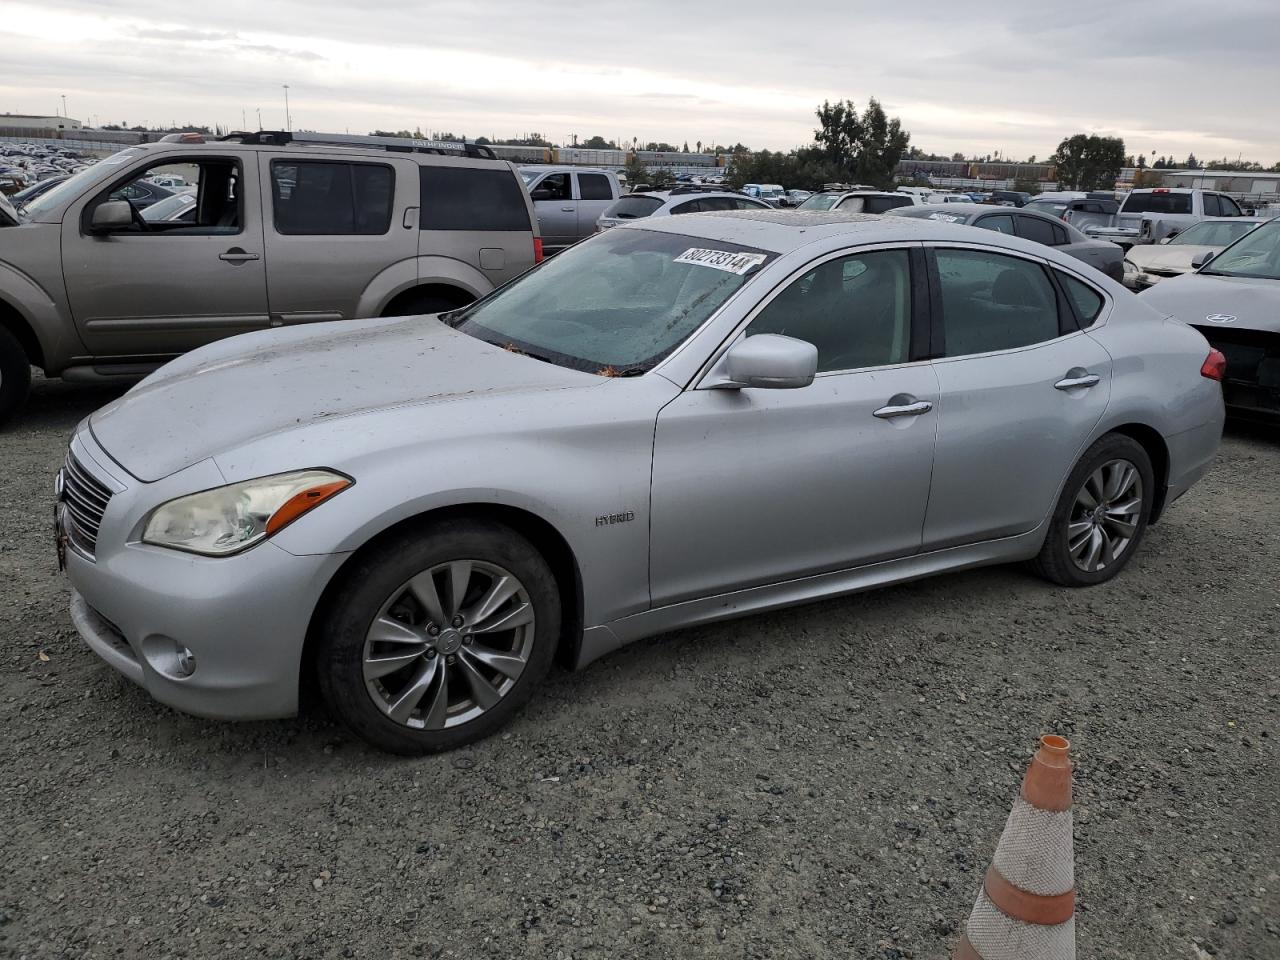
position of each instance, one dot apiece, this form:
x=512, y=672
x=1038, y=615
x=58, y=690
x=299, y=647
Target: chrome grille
x=85, y=499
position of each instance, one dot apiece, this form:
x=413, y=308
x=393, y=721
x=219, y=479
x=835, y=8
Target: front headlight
x=229, y=519
x=1130, y=267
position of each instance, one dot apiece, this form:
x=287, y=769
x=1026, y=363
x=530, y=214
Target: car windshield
x=634, y=206
x=820, y=201
x=616, y=304
x=1215, y=233
x=1256, y=254
x=72, y=185
x=1174, y=203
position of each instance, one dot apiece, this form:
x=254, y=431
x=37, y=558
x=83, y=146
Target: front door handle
x=568, y=209
x=903, y=405
x=1077, y=378
x=236, y=255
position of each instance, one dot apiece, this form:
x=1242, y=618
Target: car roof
x=782, y=231
x=861, y=193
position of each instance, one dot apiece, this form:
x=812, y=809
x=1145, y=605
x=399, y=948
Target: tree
x=957, y=158
x=1192, y=162
x=1089, y=162
x=599, y=143
x=1142, y=161
x=863, y=149
x=686, y=147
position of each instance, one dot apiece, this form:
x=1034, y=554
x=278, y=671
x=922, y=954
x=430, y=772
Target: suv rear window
x=324, y=198
x=1157, y=203
x=470, y=198
x=634, y=207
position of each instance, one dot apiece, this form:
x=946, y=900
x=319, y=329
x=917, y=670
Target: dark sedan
x=1029, y=225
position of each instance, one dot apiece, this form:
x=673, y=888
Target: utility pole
x=64, y=106
x=259, y=118
x=243, y=122
x=288, y=124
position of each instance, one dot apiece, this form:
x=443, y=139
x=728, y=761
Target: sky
x=1174, y=77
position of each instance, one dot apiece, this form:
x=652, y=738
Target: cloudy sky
x=1173, y=77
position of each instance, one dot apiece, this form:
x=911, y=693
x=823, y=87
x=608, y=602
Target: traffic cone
x=1026, y=907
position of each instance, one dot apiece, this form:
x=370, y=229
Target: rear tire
x=421, y=303
x=414, y=669
x=1101, y=515
x=15, y=375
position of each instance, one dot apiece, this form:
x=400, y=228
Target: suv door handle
x=236, y=255
x=568, y=209
x=1077, y=378
x=903, y=405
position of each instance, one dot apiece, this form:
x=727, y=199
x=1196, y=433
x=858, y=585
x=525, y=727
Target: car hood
x=1233, y=302
x=245, y=388
x=1166, y=257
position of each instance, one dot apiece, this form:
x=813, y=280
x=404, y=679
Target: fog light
x=186, y=661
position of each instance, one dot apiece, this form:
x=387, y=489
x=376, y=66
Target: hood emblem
x=1221, y=318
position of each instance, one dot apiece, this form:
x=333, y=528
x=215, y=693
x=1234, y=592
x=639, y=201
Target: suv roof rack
x=280, y=138
x=700, y=188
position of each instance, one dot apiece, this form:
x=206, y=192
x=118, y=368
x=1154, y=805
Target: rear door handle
x=236, y=255
x=903, y=405
x=1077, y=378
x=568, y=209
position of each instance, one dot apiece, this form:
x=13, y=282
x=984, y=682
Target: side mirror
x=771, y=362
x=541, y=194
x=1201, y=258
x=111, y=215
x=1167, y=239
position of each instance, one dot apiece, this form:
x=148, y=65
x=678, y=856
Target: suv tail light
x=1214, y=366
x=537, y=249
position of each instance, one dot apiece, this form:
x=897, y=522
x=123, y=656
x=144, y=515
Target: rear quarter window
x=470, y=198
x=1086, y=300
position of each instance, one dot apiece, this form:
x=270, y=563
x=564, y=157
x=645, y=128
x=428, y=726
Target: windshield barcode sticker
x=725, y=260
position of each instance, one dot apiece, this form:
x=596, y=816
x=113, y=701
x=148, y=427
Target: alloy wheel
x=1105, y=516
x=448, y=644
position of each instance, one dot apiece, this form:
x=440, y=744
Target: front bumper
x=243, y=617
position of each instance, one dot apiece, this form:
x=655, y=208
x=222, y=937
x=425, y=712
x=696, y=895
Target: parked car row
x=24, y=165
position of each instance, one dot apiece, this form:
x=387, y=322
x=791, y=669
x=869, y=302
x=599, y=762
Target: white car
x=665, y=203
x=1145, y=266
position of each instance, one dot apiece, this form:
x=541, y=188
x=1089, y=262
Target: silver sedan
x=674, y=422
x=1029, y=224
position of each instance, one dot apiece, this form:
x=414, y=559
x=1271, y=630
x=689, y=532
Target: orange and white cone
x=1026, y=907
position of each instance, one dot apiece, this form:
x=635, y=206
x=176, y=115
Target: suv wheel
x=438, y=637
x=415, y=304
x=1101, y=515
x=15, y=375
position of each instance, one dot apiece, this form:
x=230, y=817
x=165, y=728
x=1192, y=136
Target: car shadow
x=1258, y=430
x=55, y=405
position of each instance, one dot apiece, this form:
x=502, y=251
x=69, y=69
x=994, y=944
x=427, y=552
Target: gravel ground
x=823, y=782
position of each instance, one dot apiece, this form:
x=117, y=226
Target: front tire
x=438, y=636
x=15, y=375
x=1101, y=515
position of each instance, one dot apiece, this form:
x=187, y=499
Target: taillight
x=1066, y=216
x=1214, y=366
x=537, y=249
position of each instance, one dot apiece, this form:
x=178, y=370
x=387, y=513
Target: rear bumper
x=1191, y=454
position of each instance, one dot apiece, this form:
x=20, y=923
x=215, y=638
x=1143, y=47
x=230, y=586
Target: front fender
x=55, y=333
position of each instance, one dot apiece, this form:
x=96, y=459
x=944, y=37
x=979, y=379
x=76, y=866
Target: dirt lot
x=825, y=782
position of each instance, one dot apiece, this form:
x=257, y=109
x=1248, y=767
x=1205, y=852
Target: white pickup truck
x=1150, y=215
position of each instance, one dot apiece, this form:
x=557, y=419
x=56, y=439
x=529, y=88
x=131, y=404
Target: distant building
x=27, y=121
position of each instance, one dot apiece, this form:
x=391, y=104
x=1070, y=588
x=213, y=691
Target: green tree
x=1089, y=162
x=1192, y=162
x=599, y=143
x=864, y=149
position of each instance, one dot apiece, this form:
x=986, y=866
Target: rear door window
x=884, y=204
x=324, y=198
x=634, y=207
x=1211, y=206
x=1000, y=224
x=689, y=206
x=470, y=198
x=1230, y=208
x=594, y=186
x=994, y=302
x=1041, y=231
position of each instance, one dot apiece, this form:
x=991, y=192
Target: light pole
x=259, y=109
x=64, y=105
x=287, y=122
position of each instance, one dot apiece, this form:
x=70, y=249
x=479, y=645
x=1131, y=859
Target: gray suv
x=288, y=229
